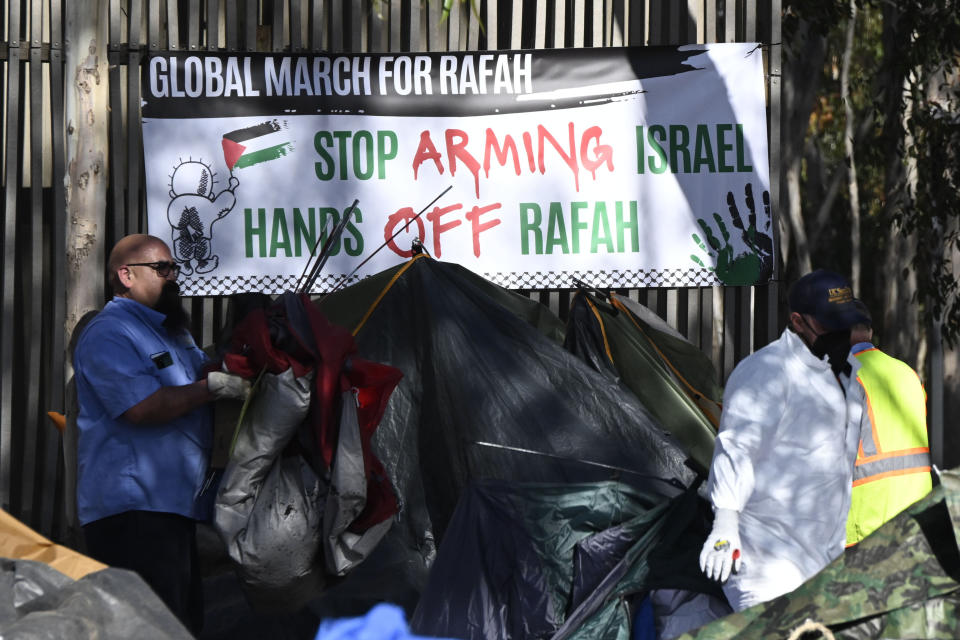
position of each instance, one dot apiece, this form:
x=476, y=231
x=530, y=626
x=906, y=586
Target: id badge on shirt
x=162, y=359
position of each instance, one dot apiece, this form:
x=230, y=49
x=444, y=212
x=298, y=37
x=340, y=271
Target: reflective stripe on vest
x=898, y=463
x=896, y=443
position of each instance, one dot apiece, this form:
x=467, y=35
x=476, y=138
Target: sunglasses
x=163, y=269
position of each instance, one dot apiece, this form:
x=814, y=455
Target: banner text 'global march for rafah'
x=629, y=167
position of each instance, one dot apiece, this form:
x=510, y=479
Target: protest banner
x=623, y=167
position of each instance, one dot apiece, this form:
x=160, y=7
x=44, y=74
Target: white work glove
x=721, y=552
x=227, y=385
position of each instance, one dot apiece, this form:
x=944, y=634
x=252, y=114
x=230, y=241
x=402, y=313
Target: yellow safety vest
x=893, y=461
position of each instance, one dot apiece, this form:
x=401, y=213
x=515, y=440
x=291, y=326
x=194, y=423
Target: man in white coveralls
x=783, y=459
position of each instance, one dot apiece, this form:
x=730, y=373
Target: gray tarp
x=269, y=507
x=286, y=528
x=41, y=603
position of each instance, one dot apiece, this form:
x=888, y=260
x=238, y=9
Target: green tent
x=673, y=379
x=903, y=581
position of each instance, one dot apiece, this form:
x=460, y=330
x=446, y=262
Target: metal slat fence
x=727, y=323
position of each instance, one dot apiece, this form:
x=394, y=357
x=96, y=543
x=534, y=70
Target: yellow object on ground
x=20, y=542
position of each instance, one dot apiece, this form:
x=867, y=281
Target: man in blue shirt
x=145, y=427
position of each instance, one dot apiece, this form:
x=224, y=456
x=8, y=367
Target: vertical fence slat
x=559, y=23
x=436, y=38
x=378, y=31
x=336, y=18
x=33, y=282
x=774, y=61
x=744, y=322
x=655, y=22
x=516, y=26
x=491, y=25
x=218, y=319
x=637, y=22
x=193, y=25
x=296, y=24
x=730, y=21
x=57, y=358
x=395, y=42
x=116, y=19
x=250, y=24
x=597, y=30
x=132, y=167
x=231, y=24
x=618, y=14
x=213, y=25
x=453, y=27
x=473, y=33
x=675, y=15
x=173, y=25
x=710, y=22
x=11, y=178
x=692, y=325
x=729, y=338
x=153, y=24
x=661, y=307
x=315, y=40
x=118, y=178
x=276, y=26
x=695, y=11
x=671, y=302
x=540, y=26
x=579, y=22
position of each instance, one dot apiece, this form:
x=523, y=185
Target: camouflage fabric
x=903, y=581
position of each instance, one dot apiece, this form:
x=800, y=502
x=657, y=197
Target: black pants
x=162, y=548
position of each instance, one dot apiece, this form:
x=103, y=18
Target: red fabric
x=251, y=349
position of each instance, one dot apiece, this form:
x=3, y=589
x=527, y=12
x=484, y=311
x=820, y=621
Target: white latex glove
x=721, y=552
x=227, y=385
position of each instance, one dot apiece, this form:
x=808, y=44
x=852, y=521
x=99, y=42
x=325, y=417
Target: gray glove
x=227, y=385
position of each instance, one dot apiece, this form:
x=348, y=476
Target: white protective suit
x=784, y=460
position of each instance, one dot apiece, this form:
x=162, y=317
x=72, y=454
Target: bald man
x=145, y=427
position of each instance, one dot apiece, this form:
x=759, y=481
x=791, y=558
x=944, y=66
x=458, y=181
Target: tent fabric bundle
x=673, y=379
x=559, y=561
x=303, y=497
x=269, y=507
x=902, y=581
x=488, y=392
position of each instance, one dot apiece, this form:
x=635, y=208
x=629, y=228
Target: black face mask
x=836, y=346
x=177, y=320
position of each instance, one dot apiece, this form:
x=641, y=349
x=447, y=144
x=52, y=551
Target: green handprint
x=753, y=265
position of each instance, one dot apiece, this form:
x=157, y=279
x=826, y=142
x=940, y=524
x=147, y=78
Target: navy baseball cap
x=828, y=297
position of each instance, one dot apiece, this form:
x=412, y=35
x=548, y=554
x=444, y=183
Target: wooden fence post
x=86, y=127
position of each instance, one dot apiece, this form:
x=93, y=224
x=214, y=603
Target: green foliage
x=927, y=39
x=905, y=96
x=817, y=15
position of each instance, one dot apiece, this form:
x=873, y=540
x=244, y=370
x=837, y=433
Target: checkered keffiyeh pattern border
x=272, y=284
x=605, y=279
x=602, y=279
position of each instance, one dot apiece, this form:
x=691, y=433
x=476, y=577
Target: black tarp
x=488, y=392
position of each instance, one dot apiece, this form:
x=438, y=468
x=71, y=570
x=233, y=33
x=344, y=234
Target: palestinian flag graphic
x=252, y=145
